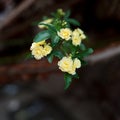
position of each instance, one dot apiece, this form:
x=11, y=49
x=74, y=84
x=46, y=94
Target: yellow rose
x=36, y=44
x=77, y=36
x=66, y=65
x=47, y=50
x=40, y=49
x=75, y=33
x=72, y=71
x=37, y=52
x=65, y=33
x=48, y=21
x=79, y=31
x=82, y=35
x=76, y=40
x=77, y=63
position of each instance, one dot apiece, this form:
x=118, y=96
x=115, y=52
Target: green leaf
x=28, y=56
x=52, y=31
x=58, y=54
x=89, y=51
x=68, y=80
x=50, y=27
x=69, y=47
x=84, y=53
x=67, y=14
x=73, y=22
x=42, y=36
x=50, y=58
x=55, y=39
x=83, y=62
x=76, y=76
x=82, y=47
x=54, y=14
x=66, y=46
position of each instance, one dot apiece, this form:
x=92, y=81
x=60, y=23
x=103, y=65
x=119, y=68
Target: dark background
x=34, y=90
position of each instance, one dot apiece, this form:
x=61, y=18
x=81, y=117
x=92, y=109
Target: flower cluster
x=40, y=49
x=76, y=36
x=64, y=43
x=67, y=64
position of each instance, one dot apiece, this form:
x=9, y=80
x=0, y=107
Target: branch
x=33, y=69
x=15, y=12
x=104, y=54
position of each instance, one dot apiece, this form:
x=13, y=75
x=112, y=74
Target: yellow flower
x=48, y=21
x=36, y=44
x=76, y=40
x=65, y=64
x=65, y=33
x=82, y=35
x=77, y=63
x=37, y=52
x=47, y=50
x=77, y=36
x=40, y=49
x=72, y=71
x=79, y=31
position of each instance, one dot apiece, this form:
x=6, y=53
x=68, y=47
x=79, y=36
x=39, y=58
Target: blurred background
x=34, y=90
